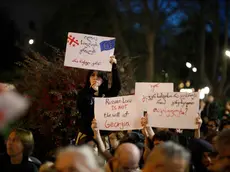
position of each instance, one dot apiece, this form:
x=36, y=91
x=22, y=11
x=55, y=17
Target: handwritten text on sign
x=118, y=113
x=148, y=88
x=172, y=110
x=89, y=51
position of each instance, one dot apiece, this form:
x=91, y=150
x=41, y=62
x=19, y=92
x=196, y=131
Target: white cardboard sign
x=89, y=51
x=118, y=113
x=172, y=110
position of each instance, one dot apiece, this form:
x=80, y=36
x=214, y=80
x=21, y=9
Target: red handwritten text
x=154, y=86
x=119, y=107
x=169, y=112
x=86, y=63
x=120, y=125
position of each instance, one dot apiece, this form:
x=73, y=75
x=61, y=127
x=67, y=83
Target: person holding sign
x=96, y=86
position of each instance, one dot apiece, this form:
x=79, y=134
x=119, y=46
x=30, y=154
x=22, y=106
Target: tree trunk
x=216, y=48
x=151, y=28
x=224, y=58
x=121, y=41
x=150, y=62
x=117, y=28
x=202, y=44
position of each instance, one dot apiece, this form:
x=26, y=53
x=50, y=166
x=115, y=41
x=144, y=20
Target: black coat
x=25, y=166
x=85, y=99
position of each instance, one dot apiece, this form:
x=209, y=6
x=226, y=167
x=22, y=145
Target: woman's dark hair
x=133, y=137
x=163, y=136
x=216, y=121
x=103, y=87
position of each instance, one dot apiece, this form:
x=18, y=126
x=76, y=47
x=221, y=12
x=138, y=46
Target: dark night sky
x=23, y=11
x=40, y=11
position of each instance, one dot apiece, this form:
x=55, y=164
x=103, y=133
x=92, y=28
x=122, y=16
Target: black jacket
x=85, y=99
x=25, y=166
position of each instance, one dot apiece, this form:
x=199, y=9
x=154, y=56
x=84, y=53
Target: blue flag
x=107, y=45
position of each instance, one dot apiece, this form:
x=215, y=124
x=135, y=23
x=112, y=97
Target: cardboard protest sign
x=172, y=110
x=89, y=51
x=118, y=113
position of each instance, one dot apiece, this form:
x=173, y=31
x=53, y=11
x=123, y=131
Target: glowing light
x=202, y=95
x=186, y=90
x=227, y=53
x=31, y=41
x=188, y=65
x=206, y=90
x=194, y=69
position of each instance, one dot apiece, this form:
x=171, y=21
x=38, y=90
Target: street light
x=31, y=41
x=194, y=69
x=188, y=65
x=227, y=53
x=202, y=95
x=206, y=90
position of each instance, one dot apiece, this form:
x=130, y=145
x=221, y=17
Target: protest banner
x=117, y=113
x=172, y=110
x=89, y=51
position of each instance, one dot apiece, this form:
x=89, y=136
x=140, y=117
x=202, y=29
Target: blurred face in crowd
x=206, y=160
x=93, y=78
x=160, y=163
x=211, y=126
x=127, y=157
x=223, y=158
x=14, y=145
x=225, y=116
x=218, y=164
x=226, y=127
x=227, y=106
x=210, y=99
x=127, y=166
x=114, y=142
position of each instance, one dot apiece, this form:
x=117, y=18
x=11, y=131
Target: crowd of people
x=204, y=149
